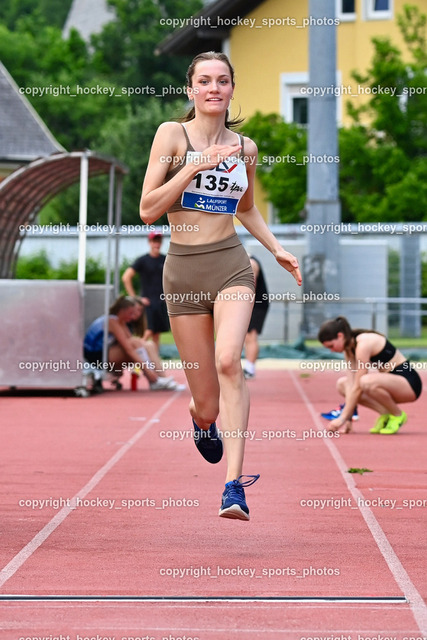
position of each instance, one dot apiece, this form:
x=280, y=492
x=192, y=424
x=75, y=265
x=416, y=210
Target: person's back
x=94, y=339
x=94, y=336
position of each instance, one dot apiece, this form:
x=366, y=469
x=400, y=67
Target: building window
x=347, y=6
x=294, y=94
x=345, y=10
x=379, y=9
x=300, y=110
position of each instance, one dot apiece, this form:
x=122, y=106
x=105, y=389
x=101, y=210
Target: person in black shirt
x=257, y=320
x=149, y=268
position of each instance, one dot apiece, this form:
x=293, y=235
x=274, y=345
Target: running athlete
x=391, y=378
x=202, y=173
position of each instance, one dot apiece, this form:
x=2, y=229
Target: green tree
x=126, y=48
x=49, y=70
x=281, y=147
x=129, y=136
x=384, y=165
x=53, y=11
x=72, y=75
x=34, y=267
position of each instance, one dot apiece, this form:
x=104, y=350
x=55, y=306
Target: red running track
x=99, y=500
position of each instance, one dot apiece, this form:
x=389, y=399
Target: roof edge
x=223, y=8
x=31, y=109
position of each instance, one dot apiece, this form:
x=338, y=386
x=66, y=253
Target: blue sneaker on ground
x=208, y=442
x=233, y=504
x=335, y=413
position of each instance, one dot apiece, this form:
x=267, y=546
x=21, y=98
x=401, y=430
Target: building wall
x=261, y=54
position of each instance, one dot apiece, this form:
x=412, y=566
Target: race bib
x=216, y=190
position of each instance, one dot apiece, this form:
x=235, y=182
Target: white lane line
x=205, y=599
x=214, y=631
x=26, y=552
x=416, y=603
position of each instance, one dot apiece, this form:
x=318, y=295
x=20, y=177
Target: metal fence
x=404, y=317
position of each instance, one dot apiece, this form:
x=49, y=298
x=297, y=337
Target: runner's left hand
x=290, y=263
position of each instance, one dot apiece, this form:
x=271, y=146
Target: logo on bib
x=213, y=193
x=226, y=168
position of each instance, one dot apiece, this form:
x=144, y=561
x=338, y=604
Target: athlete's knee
x=137, y=342
x=341, y=384
x=228, y=363
x=370, y=385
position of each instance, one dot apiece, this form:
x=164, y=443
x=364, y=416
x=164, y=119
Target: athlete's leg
x=152, y=353
x=156, y=340
x=388, y=390
x=251, y=346
x=118, y=356
x=342, y=385
x=366, y=400
x=231, y=322
x=194, y=338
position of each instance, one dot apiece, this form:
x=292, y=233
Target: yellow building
x=270, y=54
x=268, y=41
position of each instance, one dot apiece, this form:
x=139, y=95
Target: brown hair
x=201, y=57
x=123, y=302
x=139, y=327
x=331, y=328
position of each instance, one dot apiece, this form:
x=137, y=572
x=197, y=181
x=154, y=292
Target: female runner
x=202, y=173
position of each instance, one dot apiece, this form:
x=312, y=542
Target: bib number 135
x=211, y=182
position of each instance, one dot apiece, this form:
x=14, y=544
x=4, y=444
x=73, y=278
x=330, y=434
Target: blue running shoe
x=335, y=413
x=233, y=503
x=208, y=442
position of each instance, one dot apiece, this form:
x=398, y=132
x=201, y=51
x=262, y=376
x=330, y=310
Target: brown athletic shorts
x=194, y=275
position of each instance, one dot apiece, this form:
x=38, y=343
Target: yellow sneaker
x=380, y=423
x=394, y=423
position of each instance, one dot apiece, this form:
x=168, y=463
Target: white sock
x=142, y=352
x=249, y=367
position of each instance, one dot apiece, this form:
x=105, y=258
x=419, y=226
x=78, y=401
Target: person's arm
x=156, y=196
x=255, y=269
x=127, y=279
x=124, y=340
x=354, y=390
x=252, y=220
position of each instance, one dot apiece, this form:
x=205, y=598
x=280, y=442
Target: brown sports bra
x=177, y=206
